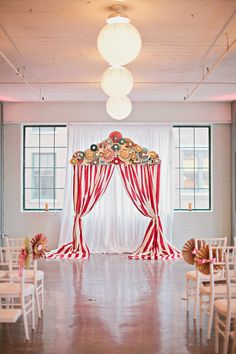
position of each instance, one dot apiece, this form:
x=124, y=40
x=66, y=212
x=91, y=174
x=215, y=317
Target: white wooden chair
x=32, y=275
x=16, y=299
x=216, y=288
x=194, y=278
x=225, y=309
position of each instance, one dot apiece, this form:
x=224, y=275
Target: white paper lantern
x=117, y=81
x=119, y=43
x=119, y=107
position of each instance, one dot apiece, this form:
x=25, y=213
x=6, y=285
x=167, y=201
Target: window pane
x=61, y=136
x=60, y=177
x=31, y=157
x=32, y=137
x=46, y=136
x=46, y=157
x=187, y=158
x=186, y=178
x=201, y=137
x=46, y=178
x=47, y=194
x=32, y=178
x=31, y=199
x=60, y=157
x=201, y=158
x=202, y=199
x=186, y=137
x=201, y=178
x=187, y=196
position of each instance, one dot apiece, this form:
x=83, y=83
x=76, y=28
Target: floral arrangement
x=39, y=246
x=115, y=150
x=25, y=256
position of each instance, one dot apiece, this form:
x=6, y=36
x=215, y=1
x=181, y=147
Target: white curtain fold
x=115, y=225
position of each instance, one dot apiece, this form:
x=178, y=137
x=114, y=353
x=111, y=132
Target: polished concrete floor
x=111, y=305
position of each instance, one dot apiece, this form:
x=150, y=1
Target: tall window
x=44, y=166
x=192, y=167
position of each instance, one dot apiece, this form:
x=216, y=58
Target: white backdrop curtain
x=115, y=225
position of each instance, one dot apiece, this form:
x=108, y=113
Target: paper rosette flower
x=39, y=246
x=74, y=161
x=115, y=147
x=115, y=136
x=189, y=251
x=108, y=155
x=129, y=142
x=89, y=154
x=109, y=141
x=152, y=154
x=117, y=161
x=25, y=256
x=93, y=147
x=137, y=148
x=122, y=141
x=95, y=162
x=79, y=155
x=124, y=154
x=203, y=260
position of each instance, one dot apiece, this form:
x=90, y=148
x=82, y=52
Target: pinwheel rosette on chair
x=25, y=256
x=39, y=246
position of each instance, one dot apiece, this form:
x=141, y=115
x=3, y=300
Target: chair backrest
x=212, y=241
x=223, y=261
x=14, y=242
x=4, y=258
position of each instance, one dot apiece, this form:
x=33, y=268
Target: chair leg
x=217, y=333
x=25, y=323
x=226, y=334
x=42, y=295
x=200, y=314
x=187, y=293
x=210, y=319
x=196, y=297
x=33, y=319
x=37, y=301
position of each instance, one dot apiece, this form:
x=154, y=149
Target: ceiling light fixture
x=119, y=43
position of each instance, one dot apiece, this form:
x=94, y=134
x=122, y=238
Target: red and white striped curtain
x=142, y=183
x=89, y=184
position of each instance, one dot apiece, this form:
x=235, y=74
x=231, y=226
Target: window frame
x=24, y=127
x=210, y=167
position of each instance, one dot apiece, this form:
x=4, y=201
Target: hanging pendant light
x=119, y=107
x=119, y=42
x=117, y=81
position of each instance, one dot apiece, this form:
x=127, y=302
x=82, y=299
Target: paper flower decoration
x=203, y=260
x=93, y=147
x=25, y=256
x=108, y=155
x=116, y=149
x=115, y=136
x=39, y=246
x=88, y=154
x=79, y=155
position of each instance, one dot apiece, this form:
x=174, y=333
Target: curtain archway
x=140, y=172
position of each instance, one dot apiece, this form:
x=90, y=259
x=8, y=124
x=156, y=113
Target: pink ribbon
x=205, y=261
x=21, y=261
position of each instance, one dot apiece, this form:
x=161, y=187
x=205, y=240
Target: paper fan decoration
x=115, y=136
x=125, y=149
x=203, y=260
x=25, y=256
x=39, y=245
x=189, y=250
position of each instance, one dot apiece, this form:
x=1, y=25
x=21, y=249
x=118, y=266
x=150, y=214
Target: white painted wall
x=186, y=224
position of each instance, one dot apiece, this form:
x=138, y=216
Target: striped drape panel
x=142, y=183
x=89, y=184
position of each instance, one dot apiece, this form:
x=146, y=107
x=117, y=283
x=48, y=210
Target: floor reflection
x=111, y=305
